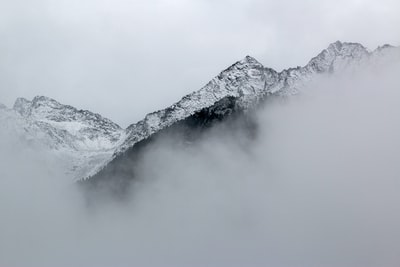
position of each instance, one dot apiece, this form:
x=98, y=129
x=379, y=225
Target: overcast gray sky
x=125, y=58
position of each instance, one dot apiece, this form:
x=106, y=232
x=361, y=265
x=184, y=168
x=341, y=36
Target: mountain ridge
x=323, y=62
x=81, y=138
x=245, y=83
x=248, y=82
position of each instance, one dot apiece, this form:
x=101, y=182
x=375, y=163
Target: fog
x=319, y=186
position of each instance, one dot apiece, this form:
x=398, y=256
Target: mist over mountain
x=257, y=168
x=237, y=91
x=89, y=142
x=92, y=146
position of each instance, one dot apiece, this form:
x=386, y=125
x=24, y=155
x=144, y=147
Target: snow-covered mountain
x=75, y=129
x=238, y=88
x=249, y=81
x=81, y=139
x=94, y=145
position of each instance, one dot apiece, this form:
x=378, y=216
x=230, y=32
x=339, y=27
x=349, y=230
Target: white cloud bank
x=319, y=187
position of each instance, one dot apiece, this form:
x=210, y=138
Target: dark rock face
x=118, y=176
x=227, y=100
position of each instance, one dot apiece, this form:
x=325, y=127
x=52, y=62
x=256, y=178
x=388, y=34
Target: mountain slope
x=80, y=138
x=243, y=85
x=72, y=128
x=249, y=82
x=244, y=80
x=93, y=147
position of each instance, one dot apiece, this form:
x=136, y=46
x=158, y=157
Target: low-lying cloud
x=318, y=187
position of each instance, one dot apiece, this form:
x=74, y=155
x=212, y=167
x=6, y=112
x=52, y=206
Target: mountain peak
x=244, y=80
x=247, y=62
x=41, y=98
x=83, y=137
x=385, y=47
x=336, y=45
x=250, y=60
x=2, y=106
x=22, y=105
x=39, y=101
x=26, y=107
x=346, y=48
x=337, y=54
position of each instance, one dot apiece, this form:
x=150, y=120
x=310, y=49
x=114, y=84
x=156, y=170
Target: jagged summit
x=86, y=139
x=385, y=46
x=89, y=130
x=342, y=48
x=46, y=109
x=336, y=45
x=336, y=56
x=44, y=101
x=28, y=107
x=21, y=105
x=249, y=60
x=387, y=51
x=244, y=79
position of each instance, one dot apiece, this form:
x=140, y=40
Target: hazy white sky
x=125, y=58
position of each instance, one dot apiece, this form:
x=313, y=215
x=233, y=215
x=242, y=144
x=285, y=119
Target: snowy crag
x=95, y=147
x=82, y=140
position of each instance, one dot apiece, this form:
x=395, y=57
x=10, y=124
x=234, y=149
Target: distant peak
x=337, y=51
x=45, y=99
x=2, y=106
x=21, y=101
x=249, y=60
x=340, y=47
x=388, y=46
x=25, y=107
x=38, y=102
x=384, y=47
x=336, y=45
x=22, y=105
